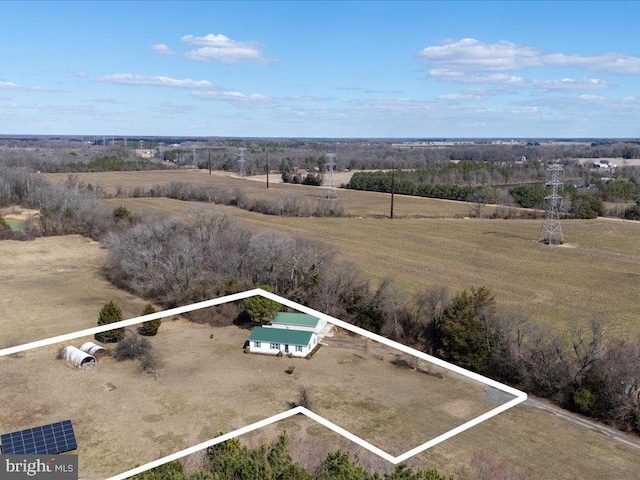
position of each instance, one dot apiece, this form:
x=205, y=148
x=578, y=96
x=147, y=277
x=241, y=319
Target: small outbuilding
x=271, y=341
x=93, y=349
x=298, y=321
x=77, y=357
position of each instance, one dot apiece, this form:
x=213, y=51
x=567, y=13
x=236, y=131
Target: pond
x=16, y=225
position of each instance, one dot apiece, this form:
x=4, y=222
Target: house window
x=298, y=348
x=275, y=346
x=257, y=344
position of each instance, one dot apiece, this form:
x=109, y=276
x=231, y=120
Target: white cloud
x=457, y=76
x=235, y=97
x=222, y=49
x=9, y=85
x=210, y=40
x=571, y=84
x=158, y=81
x=162, y=49
x=590, y=97
x=472, y=61
x=395, y=106
x=32, y=88
x=470, y=54
x=461, y=97
x=613, y=63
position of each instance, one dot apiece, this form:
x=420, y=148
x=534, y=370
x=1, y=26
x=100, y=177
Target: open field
x=52, y=286
x=597, y=271
x=355, y=203
x=208, y=385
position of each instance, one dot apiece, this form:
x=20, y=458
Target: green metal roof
x=280, y=335
x=301, y=319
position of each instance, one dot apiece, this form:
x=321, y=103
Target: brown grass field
x=356, y=203
x=53, y=286
x=208, y=385
x=596, y=272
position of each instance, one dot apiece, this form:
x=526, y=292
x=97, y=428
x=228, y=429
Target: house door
x=286, y=348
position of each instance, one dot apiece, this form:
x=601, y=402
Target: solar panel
x=47, y=439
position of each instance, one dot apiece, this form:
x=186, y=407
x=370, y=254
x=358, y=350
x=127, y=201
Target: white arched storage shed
x=92, y=349
x=76, y=356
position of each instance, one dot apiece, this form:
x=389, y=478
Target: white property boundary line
x=519, y=396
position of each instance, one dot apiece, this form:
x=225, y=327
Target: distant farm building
x=145, y=153
x=272, y=341
x=298, y=321
x=603, y=164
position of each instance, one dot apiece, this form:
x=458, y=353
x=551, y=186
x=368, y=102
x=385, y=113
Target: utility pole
x=209, y=161
x=242, y=162
x=393, y=186
x=267, y=170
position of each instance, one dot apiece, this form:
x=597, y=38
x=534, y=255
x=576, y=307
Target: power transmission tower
x=242, y=161
x=195, y=156
x=551, y=232
x=330, y=191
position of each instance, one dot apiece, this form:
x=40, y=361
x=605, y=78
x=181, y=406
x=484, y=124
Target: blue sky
x=321, y=69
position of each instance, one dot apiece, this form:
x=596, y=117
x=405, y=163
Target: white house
x=298, y=321
x=270, y=341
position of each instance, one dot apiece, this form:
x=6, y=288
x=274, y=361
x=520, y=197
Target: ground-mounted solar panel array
x=47, y=439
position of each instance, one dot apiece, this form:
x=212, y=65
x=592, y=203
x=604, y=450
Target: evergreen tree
x=339, y=466
x=469, y=335
x=110, y=313
x=168, y=471
x=151, y=327
x=259, y=308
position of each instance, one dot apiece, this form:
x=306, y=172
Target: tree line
x=233, y=460
x=578, y=203
x=285, y=154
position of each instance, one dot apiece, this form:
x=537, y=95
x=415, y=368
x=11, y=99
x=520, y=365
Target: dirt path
x=583, y=422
